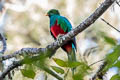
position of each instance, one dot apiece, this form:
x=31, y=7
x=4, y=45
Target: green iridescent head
x=53, y=12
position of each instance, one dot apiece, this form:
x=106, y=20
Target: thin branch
x=89, y=51
x=52, y=73
x=96, y=62
x=118, y=3
x=55, y=45
x=11, y=67
x=3, y=39
x=99, y=74
x=66, y=74
x=23, y=51
x=16, y=64
x=31, y=38
x=109, y=24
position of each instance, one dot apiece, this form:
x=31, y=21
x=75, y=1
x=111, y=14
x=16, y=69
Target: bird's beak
x=46, y=14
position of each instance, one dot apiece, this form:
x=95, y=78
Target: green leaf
x=70, y=64
x=112, y=57
x=60, y=62
x=77, y=77
x=73, y=64
x=115, y=77
x=117, y=64
x=27, y=60
x=28, y=73
x=109, y=40
x=58, y=69
x=82, y=70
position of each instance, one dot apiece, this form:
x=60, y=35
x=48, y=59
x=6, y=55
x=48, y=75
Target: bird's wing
x=66, y=26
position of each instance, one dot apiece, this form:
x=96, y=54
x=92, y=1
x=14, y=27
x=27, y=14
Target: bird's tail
x=72, y=57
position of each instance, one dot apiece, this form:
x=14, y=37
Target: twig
x=33, y=39
x=23, y=51
x=52, y=73
x=89, y=51
x=109, y=24
x=99, y=73
x=55, y=45
x=66, y=74
x=46, y=77
x=96, y=62
x=118, y=3
x=11, y=67
x=15, y=64
x=3, y=39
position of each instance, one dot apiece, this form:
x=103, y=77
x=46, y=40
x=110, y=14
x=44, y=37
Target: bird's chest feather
x=56, y=30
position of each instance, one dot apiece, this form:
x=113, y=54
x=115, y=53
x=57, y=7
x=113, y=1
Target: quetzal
x=59, y=25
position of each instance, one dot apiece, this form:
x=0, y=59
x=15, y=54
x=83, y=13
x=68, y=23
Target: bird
x=59, y=26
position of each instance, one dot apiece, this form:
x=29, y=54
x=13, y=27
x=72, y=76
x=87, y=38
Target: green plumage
x=64, y=24
x=60, y=25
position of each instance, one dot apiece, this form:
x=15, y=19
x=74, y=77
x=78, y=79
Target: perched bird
x=59, y=25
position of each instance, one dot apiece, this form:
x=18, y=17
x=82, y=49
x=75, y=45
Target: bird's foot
x=60, y=39
x=60, y=36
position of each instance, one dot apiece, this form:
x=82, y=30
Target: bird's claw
x=60, y=39
x=60, y=35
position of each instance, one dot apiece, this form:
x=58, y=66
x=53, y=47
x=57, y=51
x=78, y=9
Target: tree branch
x=99, y=74
x=3, y=39
x=11, y=67
x=118, y=3
x=55, y=45
x=109, y=24
x=15, y=64
x=23, y=51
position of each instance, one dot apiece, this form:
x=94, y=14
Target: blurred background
x=25, y=25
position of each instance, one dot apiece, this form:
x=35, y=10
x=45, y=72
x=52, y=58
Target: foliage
x=81, y=67
x=31, y=25
x=108, y=39
x=82, y=71
x=115, y=77
x=58, y=69
x=69, y=64
x=40, y=61
x=112, y=58
x=28, y=71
